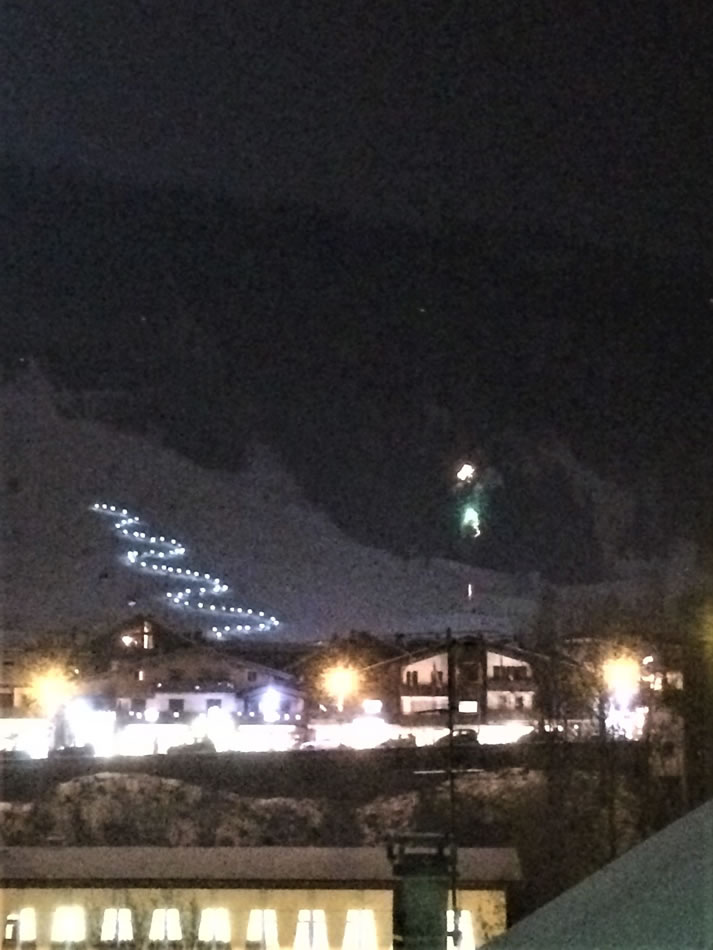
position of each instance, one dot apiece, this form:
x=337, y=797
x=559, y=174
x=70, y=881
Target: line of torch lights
x=205, y=593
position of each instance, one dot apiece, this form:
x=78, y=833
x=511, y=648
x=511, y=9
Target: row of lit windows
x=69, y=929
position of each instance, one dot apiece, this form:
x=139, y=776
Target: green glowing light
x=470, y=521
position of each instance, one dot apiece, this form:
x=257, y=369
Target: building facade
x=493, y=684
x=252, y=898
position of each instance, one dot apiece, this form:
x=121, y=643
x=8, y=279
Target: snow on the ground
x=111, y=808
x=61, y=563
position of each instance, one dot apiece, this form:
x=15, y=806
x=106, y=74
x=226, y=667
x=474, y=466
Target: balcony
x=499, y=684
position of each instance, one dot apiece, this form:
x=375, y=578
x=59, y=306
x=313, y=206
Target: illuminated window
x=69, y=926
x=465, y=925
x=214, y=928
x=262, y=930
x=422, y=704
x=21, y=928
x=165, y=927
x=117, y=926
x=360, y=931
x=311, y=933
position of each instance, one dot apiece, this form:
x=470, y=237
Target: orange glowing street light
x=341, y=682
x=622, y=676
x=51, y=690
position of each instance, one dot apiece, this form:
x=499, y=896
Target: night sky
x=379, y=236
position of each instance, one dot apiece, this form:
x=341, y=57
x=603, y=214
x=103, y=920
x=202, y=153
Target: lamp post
x=51, y=690
x=622, y=679
x=341, y=682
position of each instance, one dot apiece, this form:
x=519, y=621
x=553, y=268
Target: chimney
x=422, y=869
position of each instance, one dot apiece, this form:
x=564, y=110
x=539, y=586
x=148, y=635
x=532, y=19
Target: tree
x=696, y=614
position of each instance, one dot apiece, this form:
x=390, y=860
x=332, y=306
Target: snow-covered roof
x=440, y=647
x=193, y=655
x=232, y=866
x=657, y=896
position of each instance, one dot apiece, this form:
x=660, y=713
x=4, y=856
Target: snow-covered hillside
x=62, y=563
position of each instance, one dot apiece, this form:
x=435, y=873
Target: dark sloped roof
x=291, y=866
x=656, y=897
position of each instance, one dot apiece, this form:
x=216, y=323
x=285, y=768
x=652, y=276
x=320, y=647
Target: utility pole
x=452, y=710
x=425, y=865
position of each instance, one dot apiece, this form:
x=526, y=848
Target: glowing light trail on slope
x=203, y=594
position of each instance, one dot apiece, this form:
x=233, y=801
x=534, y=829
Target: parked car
x=402, y=742
x=535, y=737
x=203, y=747
x=326, y=745
x=461, y=737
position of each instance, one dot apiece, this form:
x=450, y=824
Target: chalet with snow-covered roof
x=494, y=683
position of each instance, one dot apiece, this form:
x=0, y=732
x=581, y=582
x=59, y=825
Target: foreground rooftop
x=291, y=867
x=657, y=896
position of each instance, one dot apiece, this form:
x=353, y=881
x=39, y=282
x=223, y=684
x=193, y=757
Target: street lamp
x=51, y=690
x=341, y=682
x=622, y=680
x=622, y=676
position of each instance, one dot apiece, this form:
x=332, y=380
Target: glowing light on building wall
x=69, y=925
x=195, y=591
x=89, y=726
x=262, y=929
x=165, y=925
x=269, y=705
x=311, y=933
x=465, y=927
x=21, y=928
x=214, y=926
x=117, y=926
x=360, y=930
